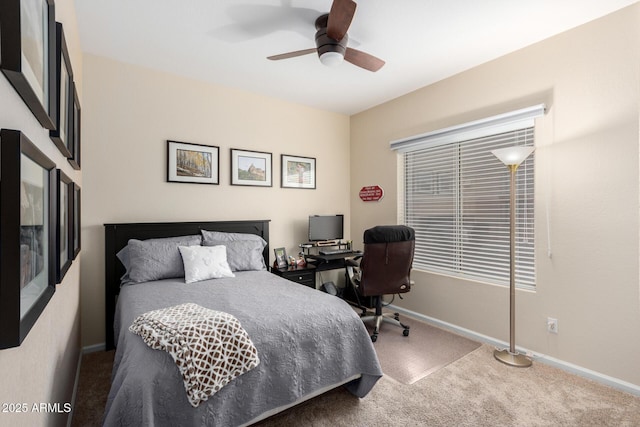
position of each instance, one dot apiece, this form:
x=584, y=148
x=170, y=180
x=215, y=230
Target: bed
x=308, y=342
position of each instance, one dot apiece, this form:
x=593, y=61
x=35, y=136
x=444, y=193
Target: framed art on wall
x=298, y=172
x=64, y=210
x=250, y=168
x=76, y=221
x=63, y=113
x=74, y=128
x=28, y=244
x=195, y=163
x=27, y=54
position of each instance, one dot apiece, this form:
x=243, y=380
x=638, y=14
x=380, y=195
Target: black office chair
x=384, y=269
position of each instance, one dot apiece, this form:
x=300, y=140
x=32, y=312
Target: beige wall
x=586, y=191
x=43, y=368
x=130, y=112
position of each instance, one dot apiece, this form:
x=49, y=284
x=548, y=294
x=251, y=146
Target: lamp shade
x=331, y=59
x=511, y=156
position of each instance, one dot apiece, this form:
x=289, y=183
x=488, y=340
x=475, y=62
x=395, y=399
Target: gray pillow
x=123, y=254
x=219, y=236
x=242, y=255
x=156, y=259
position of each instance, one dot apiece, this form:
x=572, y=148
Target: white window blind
x=456, y=197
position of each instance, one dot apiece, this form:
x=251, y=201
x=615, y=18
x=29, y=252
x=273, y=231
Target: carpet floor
x=474, y=390
x=93, y=388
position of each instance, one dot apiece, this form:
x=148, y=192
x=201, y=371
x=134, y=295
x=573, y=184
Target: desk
x=315, y=263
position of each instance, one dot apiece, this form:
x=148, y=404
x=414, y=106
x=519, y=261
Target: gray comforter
x=307, y=341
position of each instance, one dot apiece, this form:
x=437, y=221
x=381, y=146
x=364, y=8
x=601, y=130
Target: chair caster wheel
x=374, y=338
x=405, y=332
x=396, y=316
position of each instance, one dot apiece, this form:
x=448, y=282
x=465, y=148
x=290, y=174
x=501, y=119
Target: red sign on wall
x=371, y=193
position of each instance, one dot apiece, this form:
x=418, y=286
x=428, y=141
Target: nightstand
x=304, y=275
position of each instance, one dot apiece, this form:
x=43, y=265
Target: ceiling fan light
x=331, y=59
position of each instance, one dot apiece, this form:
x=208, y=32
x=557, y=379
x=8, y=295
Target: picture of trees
x=193, y=163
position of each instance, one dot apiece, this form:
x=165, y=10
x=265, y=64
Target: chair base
x=378, y=319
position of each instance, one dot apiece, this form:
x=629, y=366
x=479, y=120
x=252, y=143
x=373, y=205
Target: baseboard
x=548, y=360
x=75, y=390
x=94, y=348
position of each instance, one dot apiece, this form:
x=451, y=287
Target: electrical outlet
x=552, y=325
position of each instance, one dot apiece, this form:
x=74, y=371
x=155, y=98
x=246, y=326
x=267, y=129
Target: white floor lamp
x=512, y=157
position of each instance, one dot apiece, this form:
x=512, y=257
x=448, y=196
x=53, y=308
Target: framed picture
x=193, y=163
x=250, y=168
x=64, y=210
x=281, y=257
x=76, y=221
x=298, y=172
x=28, y=245
x=27, y=54
x=74, y=128
x=63, y=113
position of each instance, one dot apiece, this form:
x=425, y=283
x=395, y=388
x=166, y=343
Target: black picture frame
x=27, y=55
x=297, y=172
x=61, y=135
x=75, y=128
x=193, y=163
x=251, y=168
x=282, y=260
x=27, y=225
x=64, y=224
x=76, y=230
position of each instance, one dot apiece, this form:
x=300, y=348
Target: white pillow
x=204, y=262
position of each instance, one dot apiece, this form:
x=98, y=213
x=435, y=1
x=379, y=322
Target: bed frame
x=117, y=236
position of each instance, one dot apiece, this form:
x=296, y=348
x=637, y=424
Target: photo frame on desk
x=281, y=257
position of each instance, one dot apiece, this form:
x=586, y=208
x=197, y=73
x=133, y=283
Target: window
x=456, y=197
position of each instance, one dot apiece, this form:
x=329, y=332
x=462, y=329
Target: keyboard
x=336, y=252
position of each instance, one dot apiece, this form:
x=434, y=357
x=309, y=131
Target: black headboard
x=117, y=236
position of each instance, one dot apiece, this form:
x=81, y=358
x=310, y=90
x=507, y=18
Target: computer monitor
x=325, y=227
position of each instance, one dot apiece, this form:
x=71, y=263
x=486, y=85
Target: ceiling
x=227, y=41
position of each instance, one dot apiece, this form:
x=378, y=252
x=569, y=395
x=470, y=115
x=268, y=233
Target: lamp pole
x=512, y=157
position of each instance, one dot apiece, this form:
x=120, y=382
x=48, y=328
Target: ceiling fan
x=332, y=39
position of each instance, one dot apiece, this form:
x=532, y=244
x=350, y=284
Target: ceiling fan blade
x=340, y=18
x=292, y=54
x=363, y=60
x=254, y=21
